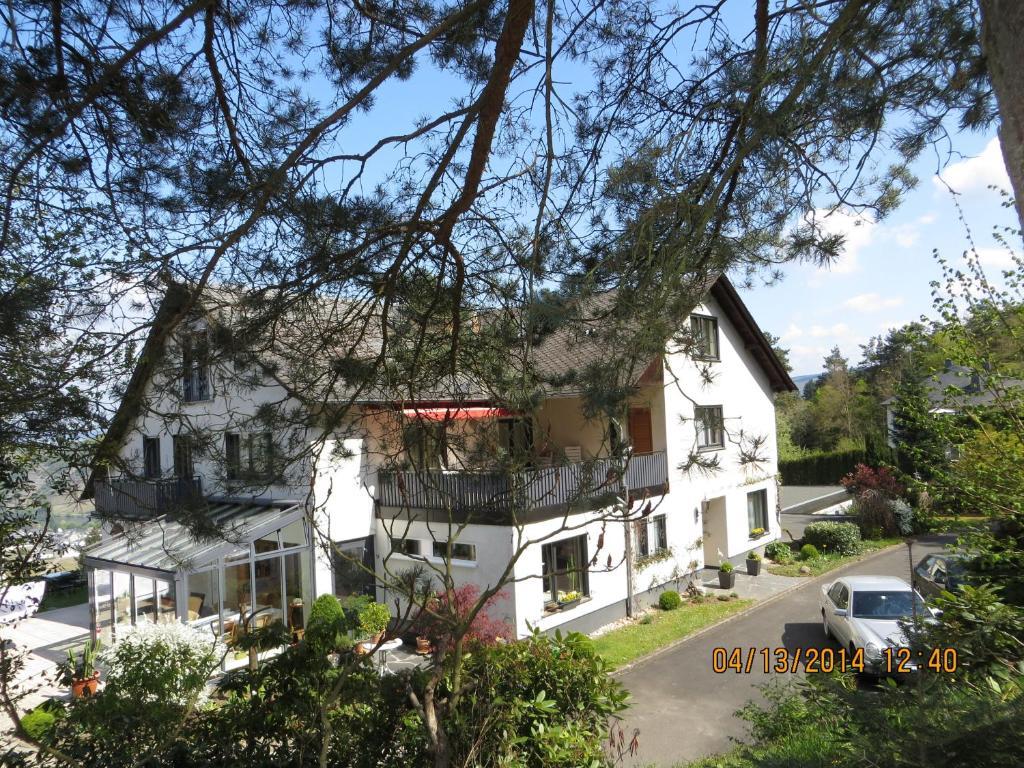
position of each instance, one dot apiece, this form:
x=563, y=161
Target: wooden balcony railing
x=137, y=498
x=497, y=497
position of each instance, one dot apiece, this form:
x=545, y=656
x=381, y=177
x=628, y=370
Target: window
x=353, y=567
x=757, y=510
x=651, y=536
x=705, y=336
x=565, y=568
x=460, y=551
x=151, y=457
x=641, y=437
x=184, y=464
x=426, y=445
x=232, y=455
x=709, y=422
x=515, y=436
x=195, y=367
x=839, y=595
x=257, y=463
x=406, y=547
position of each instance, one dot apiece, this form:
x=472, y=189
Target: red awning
x=449, y=414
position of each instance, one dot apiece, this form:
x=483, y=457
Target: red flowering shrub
x=451, y=608
x=865, y=478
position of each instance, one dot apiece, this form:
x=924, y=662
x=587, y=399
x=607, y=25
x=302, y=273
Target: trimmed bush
x=903, y=514
x=834, y=538
x=39, y=722
x=327, y=622
x=809, y=552
x=779, y=551
x=669, y=601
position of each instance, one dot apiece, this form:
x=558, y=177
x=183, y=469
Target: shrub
x=448, y=608
x=669, y=600
x=822, y=468
x=864, y=478
x=779, y=551
x=167, y=663
x=809, y=552
x=833, y=537
x=875, y=515
x=753, y=556
x=725, y=566
x=903, y=515
x=556, y=701
x=39, y=722
x=327, y=623
x=374, y=619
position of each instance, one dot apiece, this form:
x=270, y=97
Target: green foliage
x=820, y=468
x=809, y=552
x=834, y=537
x=327, y=624
x=753, y=556
x=779, y=551
x=81, y=665
x=374, y=619
x=725, y=566
x=40, y=721
x=669, y=600
x=546, y=702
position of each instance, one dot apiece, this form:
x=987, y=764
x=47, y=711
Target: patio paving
x=758, y=587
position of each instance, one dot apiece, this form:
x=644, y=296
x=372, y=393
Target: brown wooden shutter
x=640, y=434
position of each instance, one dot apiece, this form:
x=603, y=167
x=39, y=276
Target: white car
x=863, y=613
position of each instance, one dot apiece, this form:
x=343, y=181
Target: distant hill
x=802, y=381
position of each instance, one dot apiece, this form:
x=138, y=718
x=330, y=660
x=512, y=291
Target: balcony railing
x=137, y=498
x=497, y=497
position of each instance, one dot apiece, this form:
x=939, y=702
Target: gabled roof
x=957, y=386
x=567, y=348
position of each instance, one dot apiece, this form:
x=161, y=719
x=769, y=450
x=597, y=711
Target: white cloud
x=857, y=230
x=837, y=331
x=975, y=174
x=794, y=331
x=996, y=258
x=871, y=302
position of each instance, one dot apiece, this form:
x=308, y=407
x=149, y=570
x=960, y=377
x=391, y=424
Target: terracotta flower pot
x=85, y=686
x=423, y=645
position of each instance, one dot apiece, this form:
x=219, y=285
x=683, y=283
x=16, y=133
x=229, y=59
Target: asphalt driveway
x=684, y=710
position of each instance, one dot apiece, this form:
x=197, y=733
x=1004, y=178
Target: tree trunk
x=1002, y=33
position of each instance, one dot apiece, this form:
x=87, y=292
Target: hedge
x=833, y=537
x=821, y=468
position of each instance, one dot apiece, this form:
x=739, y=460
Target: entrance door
x=640, y=433
x=714, y=529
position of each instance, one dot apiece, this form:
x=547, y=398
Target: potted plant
x=753, y=564
x=569, y=599
x=373, y=621
x=757, y=533
x=80, y=672
x=423, y=645
x=726, y=575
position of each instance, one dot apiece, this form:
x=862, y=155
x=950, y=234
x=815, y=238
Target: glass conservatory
x=257, y=570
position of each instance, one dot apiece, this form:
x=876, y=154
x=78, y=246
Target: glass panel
x=103, y=605
x=267, y=592
x=121, y=590
x=166, y=604
x=351, y=561
x=237, y=597
x=293, y=535
x=296, y=567
x=565, y=567
x=203, y=596
x=267, y=544
x=145, y=603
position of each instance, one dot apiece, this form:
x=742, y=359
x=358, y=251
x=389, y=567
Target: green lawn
x=64, y=598
x=623, y=645
x=826, y=563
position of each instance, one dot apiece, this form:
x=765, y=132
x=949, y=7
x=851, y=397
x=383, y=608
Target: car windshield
x=885, y=605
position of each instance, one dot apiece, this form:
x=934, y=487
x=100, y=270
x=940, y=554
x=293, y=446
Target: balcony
x=501, y=498
x=130, y=497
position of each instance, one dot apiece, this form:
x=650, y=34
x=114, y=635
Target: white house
x=387, y=484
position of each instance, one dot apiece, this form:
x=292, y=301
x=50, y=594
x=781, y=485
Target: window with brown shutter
x=640, y=435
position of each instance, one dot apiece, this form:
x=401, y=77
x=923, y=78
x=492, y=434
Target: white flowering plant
x=168, y=663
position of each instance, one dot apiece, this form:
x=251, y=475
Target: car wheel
x=824, y=625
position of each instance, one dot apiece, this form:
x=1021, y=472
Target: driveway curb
x=801, y=582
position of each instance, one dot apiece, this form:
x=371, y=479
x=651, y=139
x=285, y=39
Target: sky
x=882, y=280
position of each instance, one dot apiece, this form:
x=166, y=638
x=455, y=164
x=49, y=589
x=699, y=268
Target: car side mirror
x=841, y=612
x=940, y=577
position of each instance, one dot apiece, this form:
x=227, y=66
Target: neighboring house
x=270, y=561
x=950, y=391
